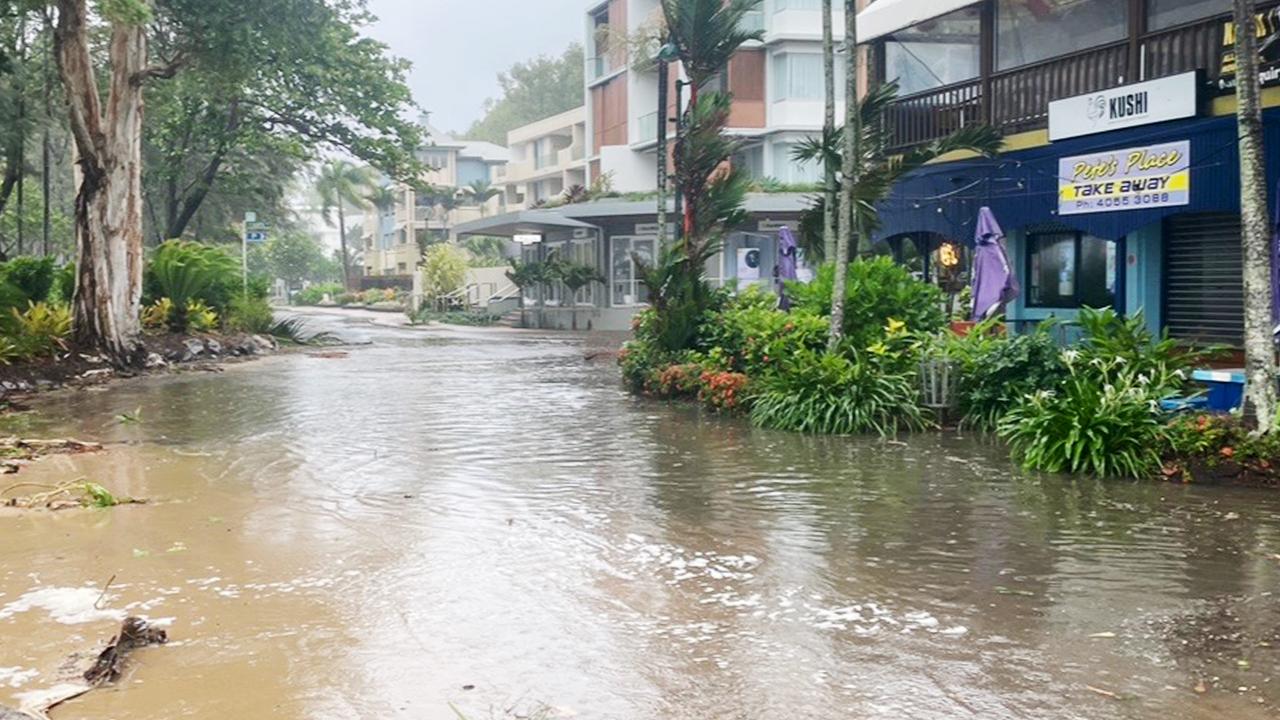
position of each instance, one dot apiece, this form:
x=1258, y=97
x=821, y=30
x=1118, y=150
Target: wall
x=747, y=83
x=609, y=113
x=632, y=171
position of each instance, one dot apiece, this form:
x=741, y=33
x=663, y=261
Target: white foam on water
x=16, y=677
x=69, y=606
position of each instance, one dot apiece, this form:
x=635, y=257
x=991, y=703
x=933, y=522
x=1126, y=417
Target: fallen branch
x=107, y=667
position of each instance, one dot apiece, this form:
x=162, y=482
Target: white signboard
x=1169, y=98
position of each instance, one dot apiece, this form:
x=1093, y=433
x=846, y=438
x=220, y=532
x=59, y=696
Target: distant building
x=548, y=158
x=443, y=198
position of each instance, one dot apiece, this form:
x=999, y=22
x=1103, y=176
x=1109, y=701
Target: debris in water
x=1103, y=693
x=1103, y=635
x=17, y=452
x=79, y=493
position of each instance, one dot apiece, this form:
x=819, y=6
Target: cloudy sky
x=458, y=47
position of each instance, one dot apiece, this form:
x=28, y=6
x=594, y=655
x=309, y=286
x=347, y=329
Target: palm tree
x=383, y=198
x=706, y=34
x=879, y=169
x=341, y=184
x=481, y=192
x=526, y=275
x=574, y=277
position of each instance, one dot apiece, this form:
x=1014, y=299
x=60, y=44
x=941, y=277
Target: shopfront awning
x=520, y=222
x=890, y=16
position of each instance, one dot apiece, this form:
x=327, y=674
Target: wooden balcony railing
x=1017, y=100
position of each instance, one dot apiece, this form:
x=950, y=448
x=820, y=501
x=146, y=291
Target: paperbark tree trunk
x=852, y=132
x=1259, y=348
x=829, y=228
x=108, y=211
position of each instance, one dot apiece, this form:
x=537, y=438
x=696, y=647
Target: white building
x=548, y=158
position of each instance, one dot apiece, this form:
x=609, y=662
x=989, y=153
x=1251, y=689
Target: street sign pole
x=244, y=250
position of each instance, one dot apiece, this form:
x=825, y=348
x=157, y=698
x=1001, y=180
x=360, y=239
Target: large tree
x=533, y=90
x=261, y=87
x=830, y=185
x=1259, y=351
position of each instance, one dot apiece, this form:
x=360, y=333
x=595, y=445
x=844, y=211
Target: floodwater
x=482, y=519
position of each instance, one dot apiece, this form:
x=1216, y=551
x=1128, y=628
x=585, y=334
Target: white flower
x=1181, y=375
x=1143, y=379
x=1109, y=389
x=1096, y=362
x=1070, y=356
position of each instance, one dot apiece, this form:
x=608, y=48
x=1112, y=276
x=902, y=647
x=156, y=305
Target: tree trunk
x=852, y=133
x=1259, y=350
x=108, y=215
x=829, y=228
x=342, y=242
x=687, y=223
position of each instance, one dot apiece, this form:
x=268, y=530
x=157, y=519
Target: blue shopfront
x=1173, y=255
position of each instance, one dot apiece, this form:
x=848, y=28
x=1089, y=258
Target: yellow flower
x=879, y=349
x=895, y=327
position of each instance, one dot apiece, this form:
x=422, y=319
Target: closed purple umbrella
x=994, y=283
x=785, y=268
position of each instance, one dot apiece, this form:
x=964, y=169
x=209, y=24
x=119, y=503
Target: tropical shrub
x=39, y=331
x=1100, y=420
x=314, y=294
x=346, y=299
x=250, y=314
x=997, y=370
x=751, y=335
x=1162, y=362
x=1217, y=438
x=444, y=270
x=190, y=273
x=682, y=380
x=64, y=284
x=723, y=391
x=877, y=289
x=841, y=394
x=31, y=275
x=199, y=317
x=156, y=315
x=642, y=355
x=11, y=298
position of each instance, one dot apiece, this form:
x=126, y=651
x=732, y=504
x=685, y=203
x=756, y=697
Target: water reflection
x=363, y=536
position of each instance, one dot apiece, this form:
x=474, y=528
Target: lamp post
x=666, y=54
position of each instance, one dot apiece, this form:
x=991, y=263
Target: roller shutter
x=1203, y=280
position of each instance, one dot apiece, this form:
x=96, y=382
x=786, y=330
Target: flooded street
x=484, y=518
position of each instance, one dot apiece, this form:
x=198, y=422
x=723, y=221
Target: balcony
x=753, y=21
x=599, y=67
x=1017, y=100
x=647, y=127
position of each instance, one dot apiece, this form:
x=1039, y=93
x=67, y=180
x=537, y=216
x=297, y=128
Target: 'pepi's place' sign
x=1129, y=179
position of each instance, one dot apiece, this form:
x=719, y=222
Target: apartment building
x=1119, y=184
x=548, y=157
x=777, y=85
x=465, y=182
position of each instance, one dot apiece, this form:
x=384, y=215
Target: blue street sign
x=255, y=237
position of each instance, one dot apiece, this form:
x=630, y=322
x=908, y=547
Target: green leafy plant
x=250, y=314
x=198, y=317
x=840, y=394
x=1100, y=420
x=877, y=289
x=41, y=330
x=1163, y=362
x=997, y=370
x=724, y=391
x=754, y=336
x=33, y=276
x=191, y=273
x=314, y=294
x=156, y=315
x=64, y=284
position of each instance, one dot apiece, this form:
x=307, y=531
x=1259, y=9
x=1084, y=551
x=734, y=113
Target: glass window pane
x=806, y=77
x=1029, y=31
x=1053, y=270
x=1163, y=14
x=938, y=52
x=1097, y=278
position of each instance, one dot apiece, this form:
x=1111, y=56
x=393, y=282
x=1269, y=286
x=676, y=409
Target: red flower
x=1228, y=452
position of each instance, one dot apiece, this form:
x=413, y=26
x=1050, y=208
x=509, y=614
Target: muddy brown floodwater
x=481, y=518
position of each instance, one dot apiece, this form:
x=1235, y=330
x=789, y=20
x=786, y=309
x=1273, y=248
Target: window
x=789, y=171
x=798, y=76
x=438, y=159
x=750, y=160
x=1163, y=14
x=780, y=5
x=1029, y=31
x=402, y=268
x=583, y=252
x=627, y=288
x=938, y=52
x=1070, y=269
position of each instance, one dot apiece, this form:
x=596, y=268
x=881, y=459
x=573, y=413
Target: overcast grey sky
x=458, y=47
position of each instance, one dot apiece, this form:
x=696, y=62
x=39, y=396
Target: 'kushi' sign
x=1129, y=179
x=1168, y=98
